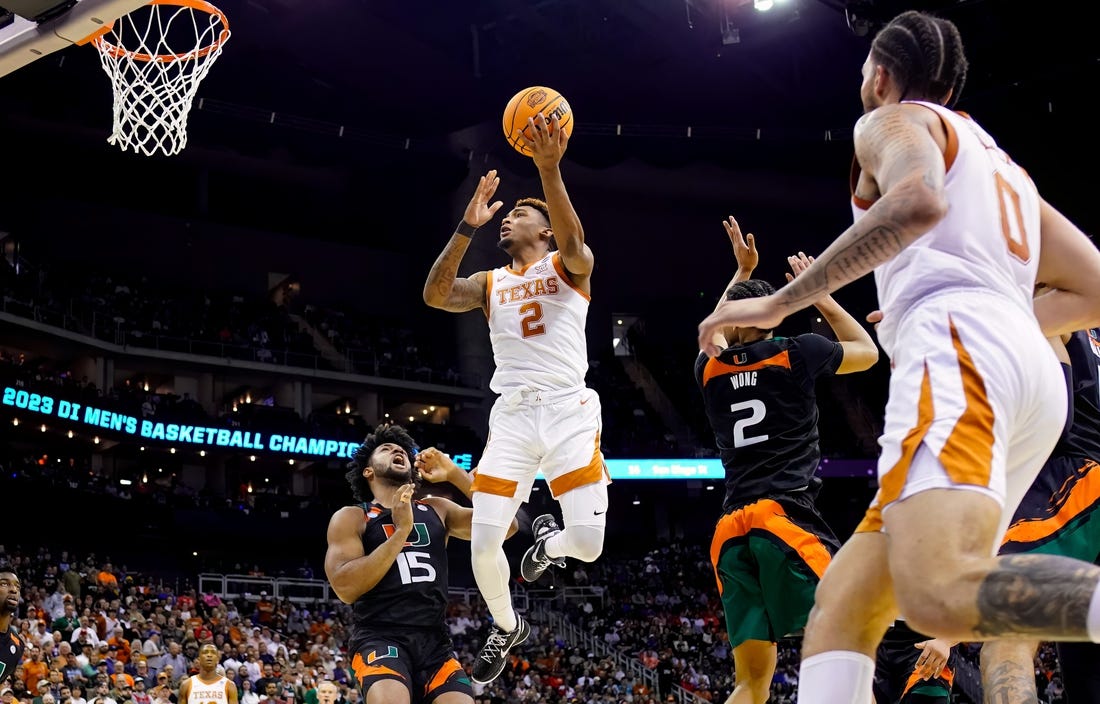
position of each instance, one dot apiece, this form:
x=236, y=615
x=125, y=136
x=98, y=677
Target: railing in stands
x=309, y=591
x=248, y=587
x=574, y=634
x=99, y=326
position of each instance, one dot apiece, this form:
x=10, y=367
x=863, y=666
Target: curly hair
x=925, y=56
x=360, y=459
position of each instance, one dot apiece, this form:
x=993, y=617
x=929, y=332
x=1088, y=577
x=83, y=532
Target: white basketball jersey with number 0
x=989, y=239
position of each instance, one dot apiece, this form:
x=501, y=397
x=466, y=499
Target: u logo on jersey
x=740, y=358
x=420, y=529
x=391, y=652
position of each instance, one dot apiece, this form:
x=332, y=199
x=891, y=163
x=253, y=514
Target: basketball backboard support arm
x=24, y=41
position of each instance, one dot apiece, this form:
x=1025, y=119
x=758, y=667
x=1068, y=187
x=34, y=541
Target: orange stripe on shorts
x=442, y=675
x=493, y=485
x=893, y=482
x=1082, y=495
x=588, y=474
x=967, y=456
x=363, y=670
x=768, y=515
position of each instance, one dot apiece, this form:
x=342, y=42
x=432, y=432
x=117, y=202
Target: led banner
x=666, y=469
x=257, y=440
x=205, y=436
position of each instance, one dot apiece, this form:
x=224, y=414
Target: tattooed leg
x=1041, y=595
x=1008, y=672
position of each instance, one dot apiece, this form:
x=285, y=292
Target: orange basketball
x=528, y=103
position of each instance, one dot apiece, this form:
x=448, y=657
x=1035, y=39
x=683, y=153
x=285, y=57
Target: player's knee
x=586, y=543
x=484, y=545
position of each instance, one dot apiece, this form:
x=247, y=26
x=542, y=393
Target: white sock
x=836, y=677
x=1094, y=616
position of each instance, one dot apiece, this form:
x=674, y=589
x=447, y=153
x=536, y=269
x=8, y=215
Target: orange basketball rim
x=117, y=51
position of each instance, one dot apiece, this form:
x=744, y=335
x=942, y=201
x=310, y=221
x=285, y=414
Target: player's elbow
x=343, y=594
x=925, y=206
x=858, y=357
x=432, y=297
x=343, y=591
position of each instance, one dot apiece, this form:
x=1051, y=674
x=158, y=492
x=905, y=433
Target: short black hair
x=753, y=288
x=537, y=204
x=360, y=459
x=925, y=56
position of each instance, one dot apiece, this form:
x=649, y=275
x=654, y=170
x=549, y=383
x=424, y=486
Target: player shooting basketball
x=544, y=416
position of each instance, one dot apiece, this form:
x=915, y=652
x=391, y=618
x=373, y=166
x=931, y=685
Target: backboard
x=23, y=40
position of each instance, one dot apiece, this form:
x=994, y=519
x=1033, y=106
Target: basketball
x=528, y=103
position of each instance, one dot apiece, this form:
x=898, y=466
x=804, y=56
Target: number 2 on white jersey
x=530, y=324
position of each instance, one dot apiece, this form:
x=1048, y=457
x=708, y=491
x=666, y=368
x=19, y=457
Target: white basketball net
x=154, y=83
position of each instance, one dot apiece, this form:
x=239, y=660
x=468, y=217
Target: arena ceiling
x=416, y=88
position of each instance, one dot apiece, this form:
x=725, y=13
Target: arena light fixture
x=763, y=5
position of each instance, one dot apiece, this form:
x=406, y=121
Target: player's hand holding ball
x=549, y=142
x=537, y=123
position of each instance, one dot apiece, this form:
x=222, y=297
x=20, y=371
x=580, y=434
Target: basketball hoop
x=153, y=83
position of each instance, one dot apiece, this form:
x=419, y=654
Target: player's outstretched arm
x=547, y=148
x=352, y=572
x=744, y=254
x=1069, y=263
x=746, y=257
x=443, y=289
x=436, y=466
x=860, y=350
x=894, y=146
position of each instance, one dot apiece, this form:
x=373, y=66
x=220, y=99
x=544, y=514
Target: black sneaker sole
x=485, y=678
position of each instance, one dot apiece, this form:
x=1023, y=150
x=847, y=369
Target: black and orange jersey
x=11, y=653
x=761, y=405
x=414, y=590
x=1083, y=436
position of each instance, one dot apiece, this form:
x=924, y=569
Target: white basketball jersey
x=988, y=240
x=536, y=326
x=204, y=693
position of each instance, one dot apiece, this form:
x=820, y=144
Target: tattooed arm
x=443, y=289
x=899, y=151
